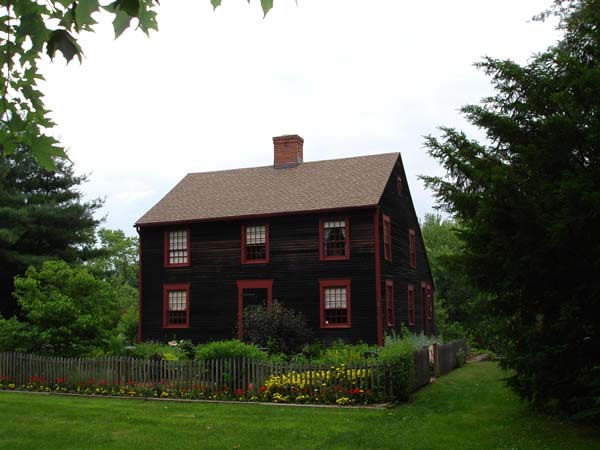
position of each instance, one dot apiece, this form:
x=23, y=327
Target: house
x=337, y=240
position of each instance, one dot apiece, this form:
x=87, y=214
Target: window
x=413, y=248
x=411, y=304
x=389, y=302
x=334, y=239
x=399, y=186
x=176, y=306
x=429, y=302
x=177, y=248
x=387, y=238
x=335, y=303
x=255, y=244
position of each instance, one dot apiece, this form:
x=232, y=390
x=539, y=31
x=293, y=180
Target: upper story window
x=399, y=186
x=335, y=303
x=176, y=306
x=411, y=304
x=387, y=238
x=412, y=243
x=255, y=244
x=334, y=239
x=389, y=302
x=177, y=248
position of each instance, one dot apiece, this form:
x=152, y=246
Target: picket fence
x=212, y=375
x=234, y=374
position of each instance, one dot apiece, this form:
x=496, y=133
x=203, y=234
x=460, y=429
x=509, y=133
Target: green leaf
x=33, y=25
x=266, y=6
x=65, y=3
x=215, y=3
x=84, y=11
x=64, y=42
x=121, y=22
x=147, y=19
x=131, y=7
x=44, y=150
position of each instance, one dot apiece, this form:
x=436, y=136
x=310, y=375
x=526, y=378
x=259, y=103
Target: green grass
x=469, y=408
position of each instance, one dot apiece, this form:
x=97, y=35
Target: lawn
x=469, y=408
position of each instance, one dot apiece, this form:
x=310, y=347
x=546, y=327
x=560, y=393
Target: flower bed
x=334, y=386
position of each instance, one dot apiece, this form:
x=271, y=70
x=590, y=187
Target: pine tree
x=43, y=216
x=529, y=203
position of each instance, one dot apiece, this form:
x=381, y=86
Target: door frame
x=251, y=284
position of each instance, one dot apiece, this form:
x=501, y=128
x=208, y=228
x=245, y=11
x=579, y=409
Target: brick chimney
x=288, y=151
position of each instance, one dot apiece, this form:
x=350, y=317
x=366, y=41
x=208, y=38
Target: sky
x=210, y=89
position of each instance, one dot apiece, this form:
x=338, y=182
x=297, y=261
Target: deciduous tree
x=31, y=28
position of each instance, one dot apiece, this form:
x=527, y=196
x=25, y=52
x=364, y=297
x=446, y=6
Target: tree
x=31, y=27
x=117, y=263
x=460, y=308
x=42, y=216
x=66, y=311
x=528, y=201
x=117, y=258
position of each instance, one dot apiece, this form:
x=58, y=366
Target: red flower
x=239, y=392
x=250, y=387
x=263, y=388
x=102, y=383
x=60, y=380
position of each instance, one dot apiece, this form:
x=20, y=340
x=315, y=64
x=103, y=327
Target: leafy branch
x=30, y=28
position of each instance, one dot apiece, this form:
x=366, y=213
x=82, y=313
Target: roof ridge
x=299, y=165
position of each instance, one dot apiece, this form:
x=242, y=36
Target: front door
x=252, y=292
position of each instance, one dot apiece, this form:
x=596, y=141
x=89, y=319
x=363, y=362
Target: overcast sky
x=210, y=89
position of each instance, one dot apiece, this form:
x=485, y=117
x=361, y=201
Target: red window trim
x=322, y=256
x=267, y=245
x=176, y=287
x=166, y=246
x=340, y=282
x=389, y=303
x=411, y=304
x=251, y=284
x=399, y=185
x=387, y=238
x=412, y=244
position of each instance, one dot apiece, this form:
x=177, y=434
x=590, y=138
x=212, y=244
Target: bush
x=276, y=327
x=66, y=310
x=397, y=356
x=159, y=351
x=228, y=349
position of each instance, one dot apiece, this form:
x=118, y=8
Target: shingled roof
x=311, y=186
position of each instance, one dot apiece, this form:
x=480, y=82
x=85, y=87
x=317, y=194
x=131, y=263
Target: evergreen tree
x=42, y=216
x=529, y=203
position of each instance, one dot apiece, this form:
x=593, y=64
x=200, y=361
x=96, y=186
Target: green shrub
x=278, y=328
x=397, y=357
x=67, y=311
x=229, y=349
x=158, y=350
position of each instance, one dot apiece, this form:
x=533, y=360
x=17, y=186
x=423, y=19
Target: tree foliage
x=117, y=258
x=461, y=310
x=42, y=216
x=529, y=203
x=66, y=311
x=276, y=327
x=31, y=28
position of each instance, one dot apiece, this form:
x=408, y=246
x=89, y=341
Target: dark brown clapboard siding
x=402, y=215
x=294, y=266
